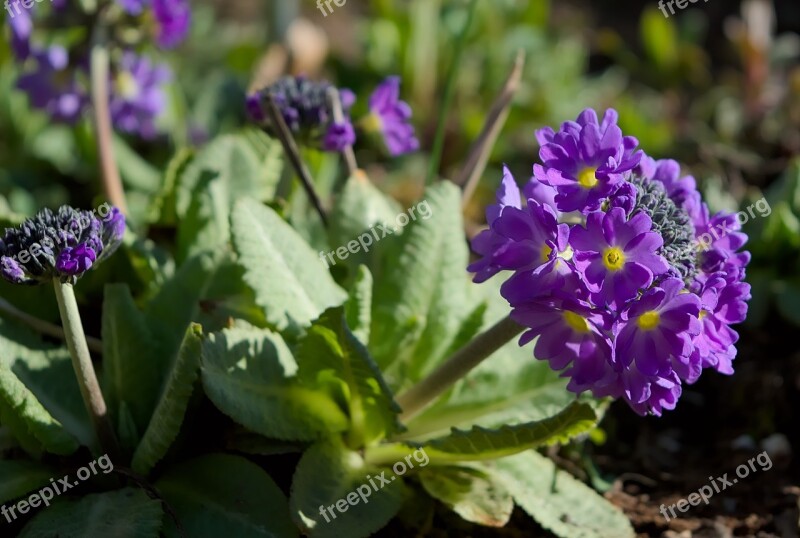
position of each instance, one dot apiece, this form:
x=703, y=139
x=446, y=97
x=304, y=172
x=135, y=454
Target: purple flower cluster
x=57, y=80
x=619, y=272
x=62, y=244
x=306, y=109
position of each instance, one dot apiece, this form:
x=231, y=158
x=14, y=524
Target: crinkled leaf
x=223, y=495
x=330, y=473
x=358, y=307
x=331, y=357
x=422, y=293
x=471, y=493
x=559, y=502
x=290, y=281
x=131, y=372
x=250, y=375
x=126, y=513
x=169, y=413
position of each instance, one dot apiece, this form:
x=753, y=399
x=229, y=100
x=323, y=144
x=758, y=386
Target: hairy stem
x=84, y=369
x=338, y=117
x=463, y=361
x=112, y=183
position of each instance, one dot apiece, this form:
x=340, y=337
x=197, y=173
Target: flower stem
x=293, y=153
x=338, y=116
x=462, y=362
x=84, y=369
x=112, y=183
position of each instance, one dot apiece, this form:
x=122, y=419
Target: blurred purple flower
x=173, y=18
x=137, y=94
x=52, y=87
x=391, y=117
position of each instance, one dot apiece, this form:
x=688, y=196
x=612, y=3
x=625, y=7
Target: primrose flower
x=391, y=117
x=305, y=107
x=137, y=95
x=52, y=86
x=62, y=244
x=585, y=160
x=173, y=18
x=628, y=287
x=21, y=29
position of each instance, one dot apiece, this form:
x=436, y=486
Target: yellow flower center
x=587, y=178
x=613, y=258
x=546, y=251
x=576, y=322
x=703, y=313
x=649, y=320
x=372, y=123
x=126, y=84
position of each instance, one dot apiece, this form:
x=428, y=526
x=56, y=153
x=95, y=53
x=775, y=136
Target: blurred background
x=715, y=86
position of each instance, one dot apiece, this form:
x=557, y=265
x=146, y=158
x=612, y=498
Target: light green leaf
x=557, y=501
x=169, y=413
x=483, y=444
x=18, y=478
x=331, y=357
x=358, y=208
x=290, y=281
x=250, y=375
x=131, y=372
x=226, y=170
x=422, y=295
x=660, y=38
x=223, y=495
x=471, y=493
x=358, y=307
x=39, y=398
x=127, y=513
x=330, y=475
x=163, y=209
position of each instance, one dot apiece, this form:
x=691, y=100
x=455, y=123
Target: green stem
x=84, y=369
x=112, y=183
x=449, y=91
x=415, y=399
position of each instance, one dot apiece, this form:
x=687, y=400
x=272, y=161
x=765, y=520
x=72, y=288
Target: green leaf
x=228, y=169
x=169, y=413
x=250, y=375
x=557, y=501
x=329, y=475
x=223, y=495
x=471, y=493
x=358, y=307
x=289, y=280
x=127, y=513
x=131, y=373
x=39, y=398
x=483, y=444
x=17, y=478
x=423, y=295
x=331, y=357
x=163, y=209
x=135, y=171
x=358, y=209
x=660, y=39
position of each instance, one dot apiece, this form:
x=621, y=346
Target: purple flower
x=518, y=239
x=173, y=18
x=571, y=337
x=656, y=331
x=73, y=261
x=52, y=87
x=585, y=160
x=391, y=117
x=339, y=136
x=12, y=271
x=137, y=95
x=719, y=240
x=668, y=172
x=618, y=257
x=21, y=30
